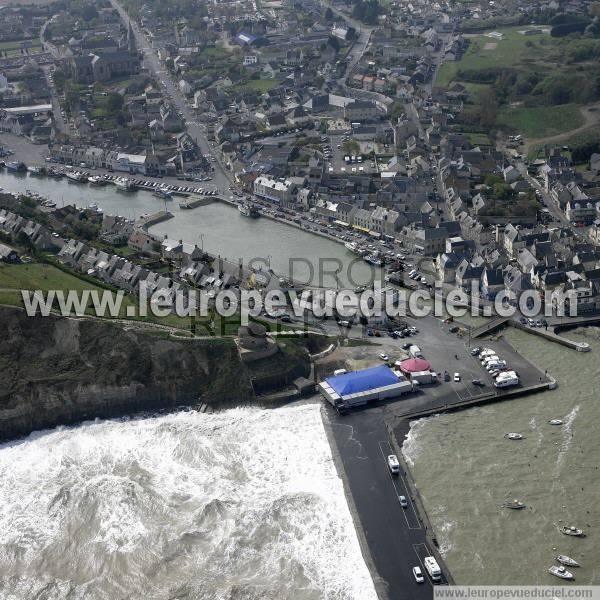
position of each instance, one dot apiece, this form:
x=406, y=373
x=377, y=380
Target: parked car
x=418, y=574
x=403, y=501
x=384, y=357
x=456, y=377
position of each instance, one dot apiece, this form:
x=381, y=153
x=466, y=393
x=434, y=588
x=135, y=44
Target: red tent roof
x=413, y=365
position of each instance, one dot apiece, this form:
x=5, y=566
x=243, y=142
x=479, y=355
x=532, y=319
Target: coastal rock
x=60, y=371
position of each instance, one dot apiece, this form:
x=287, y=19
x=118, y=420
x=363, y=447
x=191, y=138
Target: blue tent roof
x=361, y=381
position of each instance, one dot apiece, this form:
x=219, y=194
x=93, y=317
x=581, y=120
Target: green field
x=541, y=121
x=257, y=85
x=589, y=136
x=45, y=277
x=513, y=50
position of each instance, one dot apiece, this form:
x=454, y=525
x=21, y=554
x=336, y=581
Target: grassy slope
x=511, y=51
x=44, y=277
x=38, y=276
x=541, y=121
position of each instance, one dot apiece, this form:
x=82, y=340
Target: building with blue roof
x=359, y=387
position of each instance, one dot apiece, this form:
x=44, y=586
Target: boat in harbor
x=561, y=572
x=163, y=193
x=555, y=422
x=373, y=260
x=514, y=504
x=97, y=180
x=76, y=176
x=124, y=185
x=513, y=436
x=55, y=173
x=248, y=210
x=16, y=166
x=566, y=560
x=572, y=531
x=35, y=170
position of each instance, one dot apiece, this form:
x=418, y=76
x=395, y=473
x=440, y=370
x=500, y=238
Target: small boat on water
x=566, y=560
x=514, y=504
x=513, y=436
x=54, y=173
x=561, y=572
x=16, y=166
x=34, y=170
x=95, y=208
x=248, y=210
x=572, y=531
x=555, y=422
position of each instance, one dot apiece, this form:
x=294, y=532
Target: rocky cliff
x=59, y=371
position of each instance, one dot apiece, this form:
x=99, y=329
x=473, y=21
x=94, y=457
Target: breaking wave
x=243, y=504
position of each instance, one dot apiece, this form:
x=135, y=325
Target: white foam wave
x=244, y=503
x=413, y=445
x=567, y=436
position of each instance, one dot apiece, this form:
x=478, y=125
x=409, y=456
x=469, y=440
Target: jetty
x=194, y=201
x=146, y=221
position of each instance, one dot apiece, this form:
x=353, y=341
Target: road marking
x=386, y=449
x=422, y=550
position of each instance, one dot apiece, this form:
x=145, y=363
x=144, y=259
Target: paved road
x=556, y=213
x=395, y=536
x=221, y=177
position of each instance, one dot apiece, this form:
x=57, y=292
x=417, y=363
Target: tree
x=351, y=147
x=114, y=103
x=488, y=108
x=329, y=14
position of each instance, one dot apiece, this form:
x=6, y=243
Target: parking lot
x=396, y=538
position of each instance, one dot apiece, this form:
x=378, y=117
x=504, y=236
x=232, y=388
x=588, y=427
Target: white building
x=276, y=190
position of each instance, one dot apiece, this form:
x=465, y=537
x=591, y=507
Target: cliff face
x=59, y=371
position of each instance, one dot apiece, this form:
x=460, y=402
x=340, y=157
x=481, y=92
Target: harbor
x=217, y=226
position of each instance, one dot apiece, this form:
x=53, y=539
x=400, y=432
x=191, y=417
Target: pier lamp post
x=202, y=242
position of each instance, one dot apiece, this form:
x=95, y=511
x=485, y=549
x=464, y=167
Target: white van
x=432, y=568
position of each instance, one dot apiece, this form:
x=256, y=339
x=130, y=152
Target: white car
x=403, y=501
x=393, y=464
x=457, y=377
x=384, y=357
x=418, y=575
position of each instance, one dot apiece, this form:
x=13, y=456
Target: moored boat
x=566, y=560
x=96, y=180
x=35, y=170
x=248, y=210
x=561, y=572
x=513, y=436
x=555, y=422
x=572, y=531
x=514, y=504
x=16, y=166
x=124, y=185
x=163, y=193
x=76, y=176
